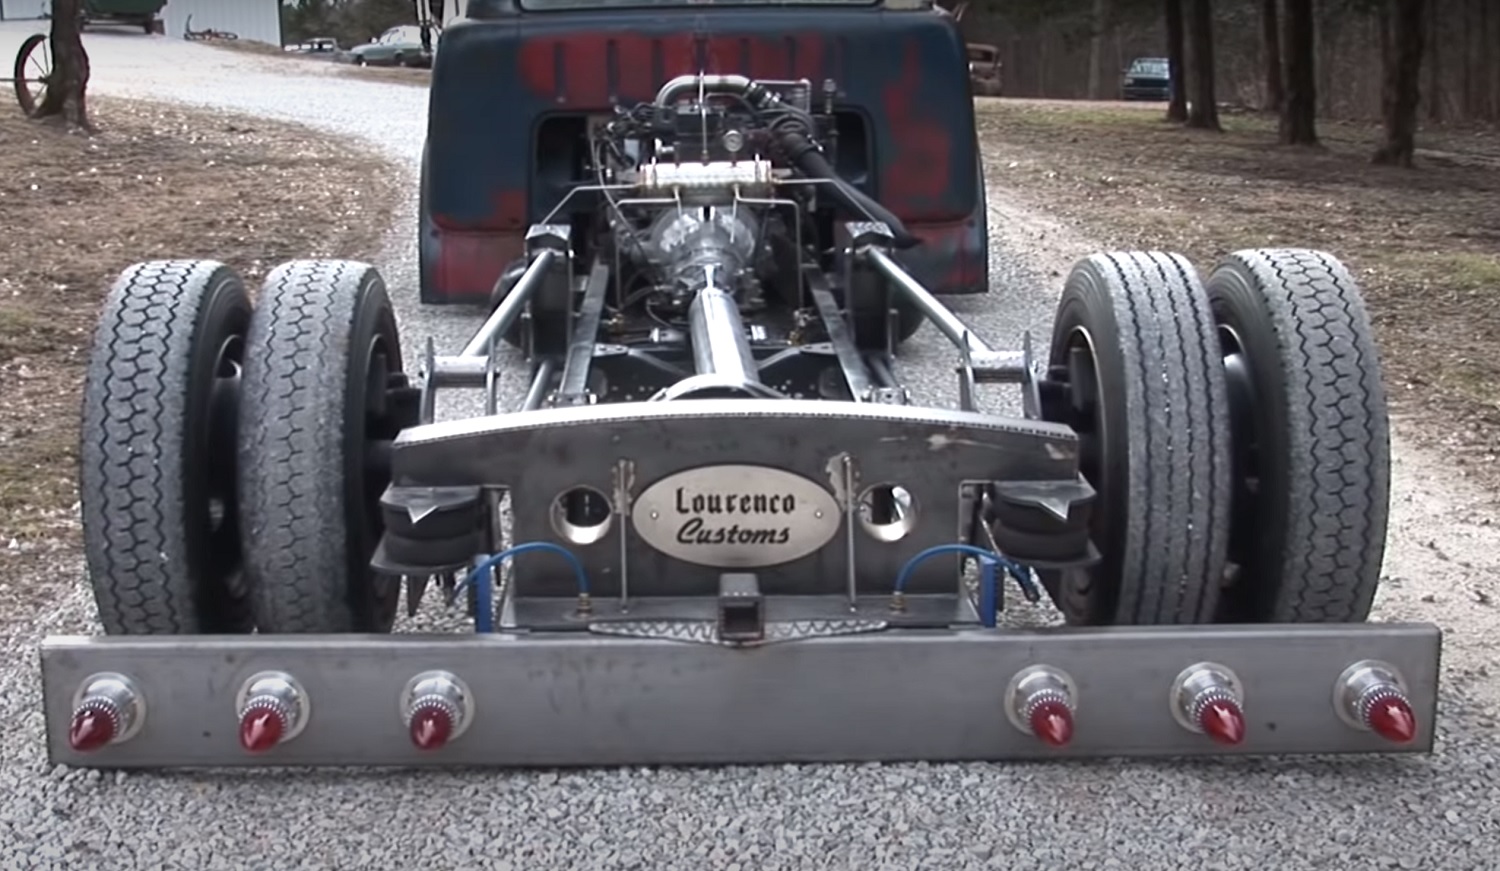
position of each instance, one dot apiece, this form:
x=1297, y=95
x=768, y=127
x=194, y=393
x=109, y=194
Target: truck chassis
x=717, y=529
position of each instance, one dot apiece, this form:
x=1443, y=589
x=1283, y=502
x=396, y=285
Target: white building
x=257, y=20
x=23, y=10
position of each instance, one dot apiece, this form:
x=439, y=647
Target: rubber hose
x=856, y=203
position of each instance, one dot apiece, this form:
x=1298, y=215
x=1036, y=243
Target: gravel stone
x=1441, y=812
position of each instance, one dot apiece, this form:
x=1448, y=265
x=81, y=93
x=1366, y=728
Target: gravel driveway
x=1437, y=812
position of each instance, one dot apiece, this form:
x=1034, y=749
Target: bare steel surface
x=588, y=700
x=1347, y=813
x=809, y=439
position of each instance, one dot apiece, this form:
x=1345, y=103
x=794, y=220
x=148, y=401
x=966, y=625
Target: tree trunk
x=1493, y=61
x=1477, y=39
x=1205, y=110
x=1328, y=25
x=1489, y=20
x=1466, y=61
x=1041, y=65
x=1119, y=60
x=1096, y=47
x=68, y=85
x=1404, y=20
x=1299, y=111
x=1270, y=41
x=1383, y=32
x=1176, y=49
x=1435, y=94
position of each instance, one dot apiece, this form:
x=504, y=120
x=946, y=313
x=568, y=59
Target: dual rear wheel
x=1235, y=431
x=233, y=456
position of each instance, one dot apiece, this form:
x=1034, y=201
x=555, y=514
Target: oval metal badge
x=736, y=516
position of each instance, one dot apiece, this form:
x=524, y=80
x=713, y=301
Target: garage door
x=15, y=10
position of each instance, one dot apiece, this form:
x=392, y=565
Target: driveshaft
x=720, y=344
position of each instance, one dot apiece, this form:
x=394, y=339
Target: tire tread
x=1175, y=411
x=1339, y=463
x=1182, y=432
x=133, y=426
x=291, y=453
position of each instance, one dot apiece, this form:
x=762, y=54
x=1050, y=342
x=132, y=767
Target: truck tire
x=509, y=278
x=156, y=473
x=323, y=395
x=1135, y=369
x=867, y=325
x=1312, y=448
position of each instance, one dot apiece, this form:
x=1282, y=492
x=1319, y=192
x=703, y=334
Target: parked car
x=400, y=46
x=1147, y=78
x=316, y=45
x=985, y=70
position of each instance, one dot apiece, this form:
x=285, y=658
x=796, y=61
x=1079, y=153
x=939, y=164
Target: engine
x=708, y=197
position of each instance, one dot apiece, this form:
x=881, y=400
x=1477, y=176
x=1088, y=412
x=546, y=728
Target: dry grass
x=155, y=182
x=246, y=46
x=1425, y=243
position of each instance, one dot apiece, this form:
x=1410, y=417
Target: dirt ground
x=155, y=182
x=326, y=65
x=419, y=78
x=1424, y=243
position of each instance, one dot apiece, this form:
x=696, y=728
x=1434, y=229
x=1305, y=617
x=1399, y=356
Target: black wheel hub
x=386, y=404
x=1073, y=395
x=1245, y=438
x=220, y=513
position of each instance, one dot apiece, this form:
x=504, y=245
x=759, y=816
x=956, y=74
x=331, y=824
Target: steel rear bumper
x=581, y=699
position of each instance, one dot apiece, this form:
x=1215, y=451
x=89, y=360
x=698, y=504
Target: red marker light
x=92, y=727
x=107, y=709
x=1052, y=721
x=431, y=726
x=437, y=708
x=1371, y=695
x=272, y=709
x=1222, y=721
x=1040, y=702
x=261, y=728
x=1391, y=718
x=1209, y=699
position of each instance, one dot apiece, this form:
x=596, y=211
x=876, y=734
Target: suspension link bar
x=547, y=245
x=941, y=317
x=871, y=242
